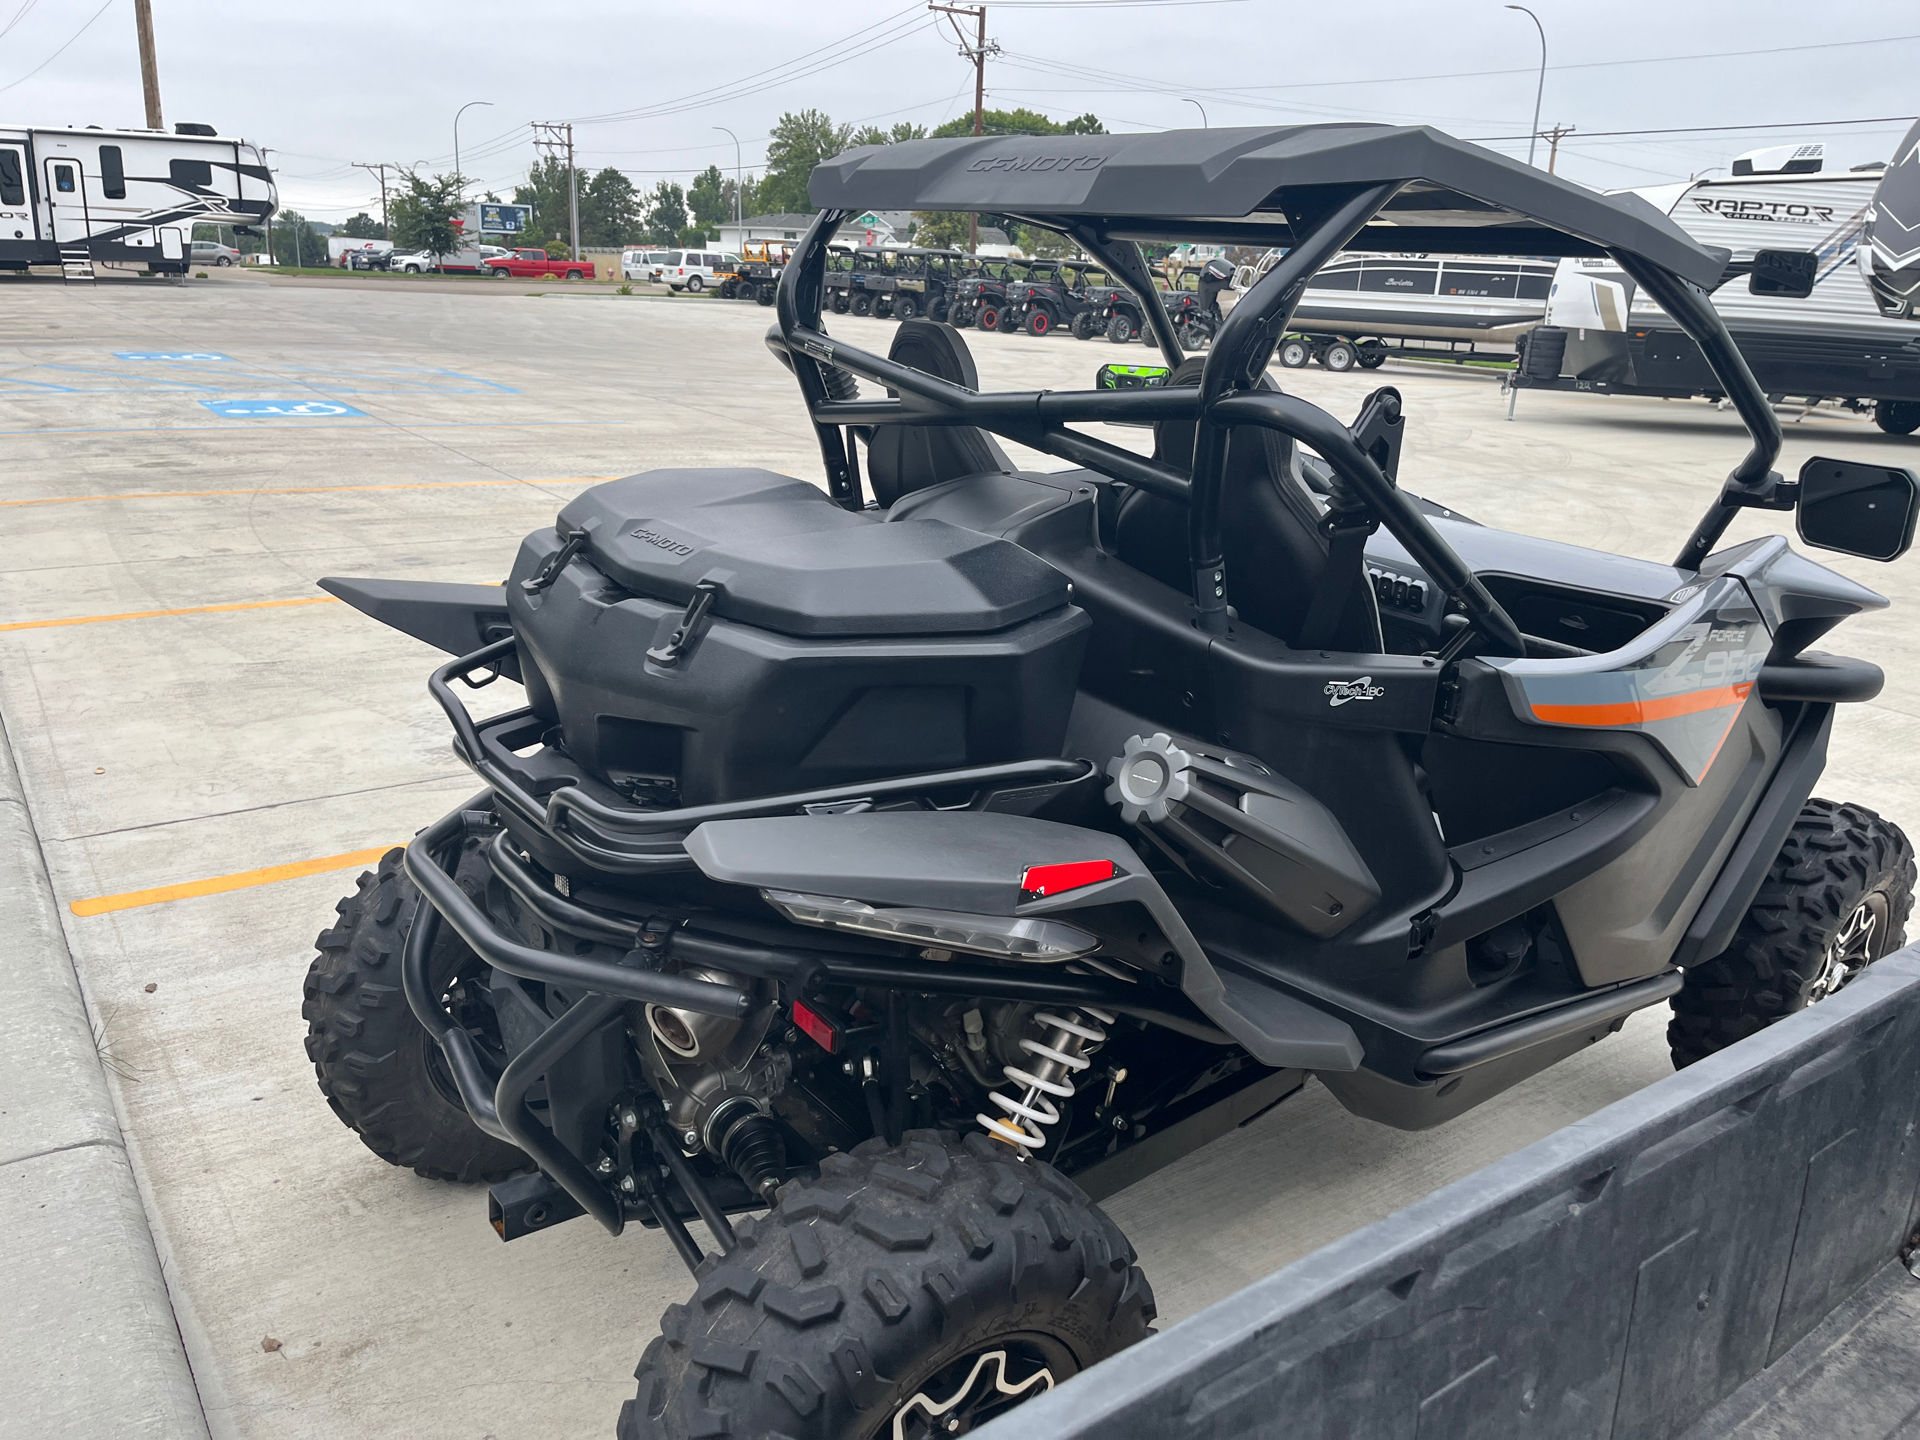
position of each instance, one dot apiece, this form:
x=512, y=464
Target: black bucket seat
x=906, y=457
x=1276, y=552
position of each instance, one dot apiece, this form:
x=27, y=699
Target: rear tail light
x=1005, y=937
x=1042, y=880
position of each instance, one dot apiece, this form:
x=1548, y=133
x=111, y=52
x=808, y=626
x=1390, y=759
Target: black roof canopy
x=1265, y=185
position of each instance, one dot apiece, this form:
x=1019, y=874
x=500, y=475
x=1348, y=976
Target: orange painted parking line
x=157, y=614
x=220, y=884
x=299, y=490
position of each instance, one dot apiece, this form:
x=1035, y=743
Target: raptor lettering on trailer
x=1789, y=212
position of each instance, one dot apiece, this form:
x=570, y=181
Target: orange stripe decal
x=1639, y=712
x=157, y=614
x=220, y=884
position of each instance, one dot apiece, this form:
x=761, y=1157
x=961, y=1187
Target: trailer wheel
x=913, y=1291
x=1339, y=357
x=1120, y=330
x=1835, y=900
x=1294, y=353
x=1372, y=354
x=1897, y=417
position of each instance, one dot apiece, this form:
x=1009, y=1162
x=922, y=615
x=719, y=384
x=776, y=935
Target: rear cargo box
x=836, y=647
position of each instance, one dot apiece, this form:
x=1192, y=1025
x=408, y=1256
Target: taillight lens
x=1005, y=937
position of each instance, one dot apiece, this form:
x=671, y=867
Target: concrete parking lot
x=206, y=742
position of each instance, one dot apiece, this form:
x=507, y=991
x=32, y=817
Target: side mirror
x=1857, y=509
x=1130, y=377
x=1786, y=273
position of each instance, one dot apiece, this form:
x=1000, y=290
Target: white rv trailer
x=127, y=198
x=1854, y=338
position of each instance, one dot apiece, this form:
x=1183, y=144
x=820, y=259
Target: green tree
x=799, y=142
x=363, y=227
x=1020, y=122
x=423, y=213
x=546, y=192
x=749, y=199
x=707, y=198
x=874, y=135
x=942, y=228
x=666, y=214
x=609, y=210
x=295, y=242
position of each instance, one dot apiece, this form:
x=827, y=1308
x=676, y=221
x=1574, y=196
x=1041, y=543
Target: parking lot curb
x=87, y=1328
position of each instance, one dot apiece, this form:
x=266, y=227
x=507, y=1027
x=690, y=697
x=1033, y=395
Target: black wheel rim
x=979, y=1386
x=1860, y=940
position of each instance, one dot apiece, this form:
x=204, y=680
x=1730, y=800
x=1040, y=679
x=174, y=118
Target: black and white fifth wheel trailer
x=123, y=198
x=1819, y=291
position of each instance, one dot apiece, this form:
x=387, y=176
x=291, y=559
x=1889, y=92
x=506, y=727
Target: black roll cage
x=1226, y=395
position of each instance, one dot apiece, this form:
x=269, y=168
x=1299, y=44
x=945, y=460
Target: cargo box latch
x=686, y=634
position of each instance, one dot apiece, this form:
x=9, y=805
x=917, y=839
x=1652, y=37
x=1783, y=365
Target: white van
x=641, y=264
x=693, y=270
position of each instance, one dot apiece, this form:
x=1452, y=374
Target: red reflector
x=1042, y=880
x=822, y=1031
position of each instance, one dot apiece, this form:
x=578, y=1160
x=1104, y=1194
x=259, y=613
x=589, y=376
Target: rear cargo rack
x=630, y=840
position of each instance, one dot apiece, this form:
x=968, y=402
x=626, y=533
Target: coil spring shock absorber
x=1063, y=1053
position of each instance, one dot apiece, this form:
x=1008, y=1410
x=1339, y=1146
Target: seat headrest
x=934, y=349
x=904, y=458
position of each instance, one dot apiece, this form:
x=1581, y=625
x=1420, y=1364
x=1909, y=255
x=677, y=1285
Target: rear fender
x=975, y=862
x=458, y=619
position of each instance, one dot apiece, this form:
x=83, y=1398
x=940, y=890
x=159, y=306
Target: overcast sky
x=645, y=84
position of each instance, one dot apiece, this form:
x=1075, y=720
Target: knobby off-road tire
x=380, y=1070
x=1836, y=899
x=881, y=1286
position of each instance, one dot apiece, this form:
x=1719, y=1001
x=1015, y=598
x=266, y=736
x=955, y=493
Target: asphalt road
x=186, y=708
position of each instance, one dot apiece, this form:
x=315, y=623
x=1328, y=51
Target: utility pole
x=557, y=135
x=977, y=52
x=1554, y=137
x=149, y=69
x=383, y=166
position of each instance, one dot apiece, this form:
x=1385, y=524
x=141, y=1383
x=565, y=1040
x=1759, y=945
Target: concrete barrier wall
x=1618, y=1278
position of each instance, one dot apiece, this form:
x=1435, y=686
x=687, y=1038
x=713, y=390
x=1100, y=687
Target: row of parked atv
x=979, y=292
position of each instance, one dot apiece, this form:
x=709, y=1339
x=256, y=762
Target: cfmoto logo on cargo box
x=1038, y=162
x=1339, y=692
x=663, y=542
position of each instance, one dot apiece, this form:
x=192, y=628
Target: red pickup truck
x=534, y=265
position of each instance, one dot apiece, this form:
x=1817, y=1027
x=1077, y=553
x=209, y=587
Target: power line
x=58, y=53
x=1716, y=129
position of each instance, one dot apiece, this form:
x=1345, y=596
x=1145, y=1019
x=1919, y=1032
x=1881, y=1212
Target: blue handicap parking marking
x=281, y=409
x=170, y=355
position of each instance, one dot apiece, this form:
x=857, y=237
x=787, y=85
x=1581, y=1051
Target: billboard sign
x=498, y=219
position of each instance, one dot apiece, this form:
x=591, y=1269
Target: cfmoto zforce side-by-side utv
x=917, y=860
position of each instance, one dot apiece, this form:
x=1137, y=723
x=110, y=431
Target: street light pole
x=739, y=190
x=1203, y=112
x=456, y=141
x=1533, y=138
